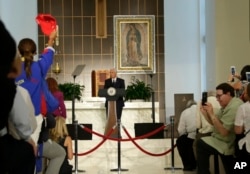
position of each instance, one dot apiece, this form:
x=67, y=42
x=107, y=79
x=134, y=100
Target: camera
x=233, y=70
x=204, y=98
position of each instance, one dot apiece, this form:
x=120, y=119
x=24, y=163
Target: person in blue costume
x=33, y=73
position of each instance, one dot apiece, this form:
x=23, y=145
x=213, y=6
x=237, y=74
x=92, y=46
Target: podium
x=112, y=94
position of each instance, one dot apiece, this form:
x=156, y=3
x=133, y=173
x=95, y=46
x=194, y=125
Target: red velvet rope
x=116, y=139
x=152, y=154
x=98, y=145
x=129, y=139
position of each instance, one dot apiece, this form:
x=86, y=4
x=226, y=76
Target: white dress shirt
x=187, y=124
x=243, y=119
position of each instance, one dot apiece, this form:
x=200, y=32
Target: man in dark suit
x=115, y=82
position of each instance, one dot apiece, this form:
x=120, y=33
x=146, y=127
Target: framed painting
x=134, y=44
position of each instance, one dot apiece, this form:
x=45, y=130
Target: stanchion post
x=75, y=122
x=119, y=169
x=76, y=148
x=172, y=146
x=76, y=73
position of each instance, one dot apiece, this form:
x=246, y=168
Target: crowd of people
x=29, y=131
x=33, y=134
x=222, y=128
x=36, y=127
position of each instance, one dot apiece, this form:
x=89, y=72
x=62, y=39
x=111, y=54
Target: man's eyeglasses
x=218, y=96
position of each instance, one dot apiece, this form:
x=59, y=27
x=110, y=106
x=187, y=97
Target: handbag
x=51, y=102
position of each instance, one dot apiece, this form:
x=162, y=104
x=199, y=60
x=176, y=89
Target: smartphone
x=233, y=70
x=248, y=76
x=204, y=98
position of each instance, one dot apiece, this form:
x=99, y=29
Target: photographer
x=221, y=141
x=204, y=128
x=238, y=81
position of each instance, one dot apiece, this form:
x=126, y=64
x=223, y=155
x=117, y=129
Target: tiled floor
x=105, y=158
x=136, y=170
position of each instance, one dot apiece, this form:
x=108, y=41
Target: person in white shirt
x=187, y=131
x=242, y=126
x=16, y=155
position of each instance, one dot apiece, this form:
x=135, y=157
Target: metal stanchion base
x=173, y=168
x=76, y=171
x=119, y=170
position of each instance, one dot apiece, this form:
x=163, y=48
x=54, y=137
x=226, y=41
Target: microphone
x=57, y=37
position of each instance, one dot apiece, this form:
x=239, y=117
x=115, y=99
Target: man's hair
x=243, y=71
x=225, y=87
x=190, y=103
x=113, y=69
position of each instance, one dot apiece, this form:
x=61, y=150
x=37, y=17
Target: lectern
x=112, y=94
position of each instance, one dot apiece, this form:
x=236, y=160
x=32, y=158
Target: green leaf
x=138, y=90
x=69, y=89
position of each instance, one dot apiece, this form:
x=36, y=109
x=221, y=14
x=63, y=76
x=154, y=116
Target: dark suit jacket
x=118, y=84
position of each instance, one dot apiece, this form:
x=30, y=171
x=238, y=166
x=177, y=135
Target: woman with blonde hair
x=60, y=135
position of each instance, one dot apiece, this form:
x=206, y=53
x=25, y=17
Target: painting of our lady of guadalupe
x=134, y=46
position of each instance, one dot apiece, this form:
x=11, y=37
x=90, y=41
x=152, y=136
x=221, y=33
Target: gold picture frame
x=134, y=44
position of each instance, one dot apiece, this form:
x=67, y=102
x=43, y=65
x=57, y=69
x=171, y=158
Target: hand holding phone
x=204, y=98
x=233, y=70
x=248, y=76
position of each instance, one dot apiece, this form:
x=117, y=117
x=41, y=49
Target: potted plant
x=138, y=90
x=69, y=89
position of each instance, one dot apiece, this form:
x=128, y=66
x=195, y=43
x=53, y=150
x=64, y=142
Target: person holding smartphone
x=240, y=81
x=204, y=128
x=221, y=141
